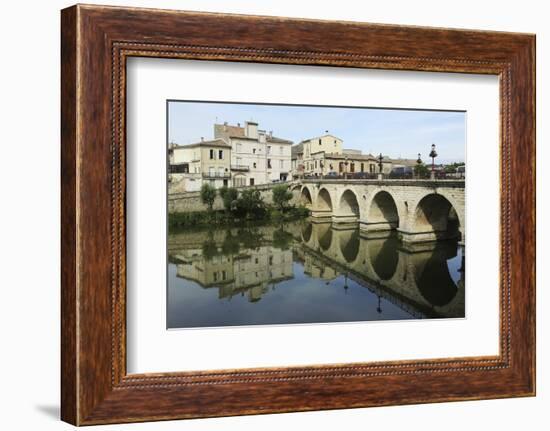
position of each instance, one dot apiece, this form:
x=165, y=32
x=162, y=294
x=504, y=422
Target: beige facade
x=205, y=161
x=257, y=157
x=325, y=156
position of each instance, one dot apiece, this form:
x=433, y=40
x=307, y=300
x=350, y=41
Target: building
x=194, y=164
x=257, y=157
x=325, y=156
x=237, y=156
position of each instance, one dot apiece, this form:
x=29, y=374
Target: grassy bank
x=201, y=219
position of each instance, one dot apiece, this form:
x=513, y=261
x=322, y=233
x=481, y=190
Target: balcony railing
x=216, y=175
x=243, y=168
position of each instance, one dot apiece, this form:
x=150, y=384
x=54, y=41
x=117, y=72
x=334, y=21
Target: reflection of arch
x=324, y=202
x=305, y=198
x=349, y=244
x=307, y=230
x=434, y=213
x=433, y=278
x=325, y=239
x=383, y=256
x=383, y=210
x=349, y=203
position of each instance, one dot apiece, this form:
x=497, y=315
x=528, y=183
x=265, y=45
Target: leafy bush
x=250, y=204
x=281, y=196
x=229, y=197
x=208, y=195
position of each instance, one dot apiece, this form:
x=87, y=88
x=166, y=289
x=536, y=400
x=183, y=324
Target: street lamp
x=433, y=155
x=346, y=168
x=418, y=163
x=380, y=157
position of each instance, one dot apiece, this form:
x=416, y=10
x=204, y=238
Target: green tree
x=421, y=171
x=281, y=196
x=208, y=195
x=250, y=204
x=229, y=196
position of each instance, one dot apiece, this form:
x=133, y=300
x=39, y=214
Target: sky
x=395, y=133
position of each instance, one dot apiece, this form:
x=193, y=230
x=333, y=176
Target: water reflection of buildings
x=428, y=282
x=251, y=271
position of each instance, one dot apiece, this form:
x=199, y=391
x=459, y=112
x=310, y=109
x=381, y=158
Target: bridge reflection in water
x=306, y=272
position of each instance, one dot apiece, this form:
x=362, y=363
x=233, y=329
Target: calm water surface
x=305, y=272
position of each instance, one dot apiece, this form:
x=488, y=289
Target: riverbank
x=201, y=219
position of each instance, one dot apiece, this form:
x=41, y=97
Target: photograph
x=282, y=214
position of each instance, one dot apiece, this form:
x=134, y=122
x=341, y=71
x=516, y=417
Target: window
x=281, y=150
x=239, y=148
x=281, y=164
x=211, y=154
x=180, y=169
x=269, y=150
x=254, y=165
x=362, y=167
x=212, y=171
x=220, y=154
x=319, y=141
x=268, y=163
x=251, y=181
x=352, y=167
x=253, y=150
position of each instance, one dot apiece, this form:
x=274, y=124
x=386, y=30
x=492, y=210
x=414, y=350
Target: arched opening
x=349, y=204
x=436, y=214
x=324, y=202
x=349, y=244
x=383, y=213
x=305, y=198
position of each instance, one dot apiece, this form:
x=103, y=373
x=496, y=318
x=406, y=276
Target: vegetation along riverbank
x=239, y=207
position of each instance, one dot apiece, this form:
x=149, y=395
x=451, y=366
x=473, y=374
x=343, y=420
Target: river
x=303, y=272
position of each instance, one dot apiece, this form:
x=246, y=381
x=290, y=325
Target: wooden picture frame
x=95, y=43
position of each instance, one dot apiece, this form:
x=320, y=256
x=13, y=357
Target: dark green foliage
x=208, y=195
x=250, y=205
x=421, y=171
x=281, y=196
x=229, y=197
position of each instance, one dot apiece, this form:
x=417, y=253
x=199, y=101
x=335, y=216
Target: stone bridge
x=420, y=210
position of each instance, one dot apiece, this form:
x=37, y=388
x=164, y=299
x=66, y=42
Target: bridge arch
x=306, y=198
x=349, y=204
x=436, y=214
x=382, y=212
x=324, y=201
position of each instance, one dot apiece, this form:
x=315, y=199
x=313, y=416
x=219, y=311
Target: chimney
x=238, y=124
x=271, y=133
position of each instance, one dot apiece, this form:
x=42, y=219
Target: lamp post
x=433, y=155
x=346, y=168
x=418, y=163
x=380, y=158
